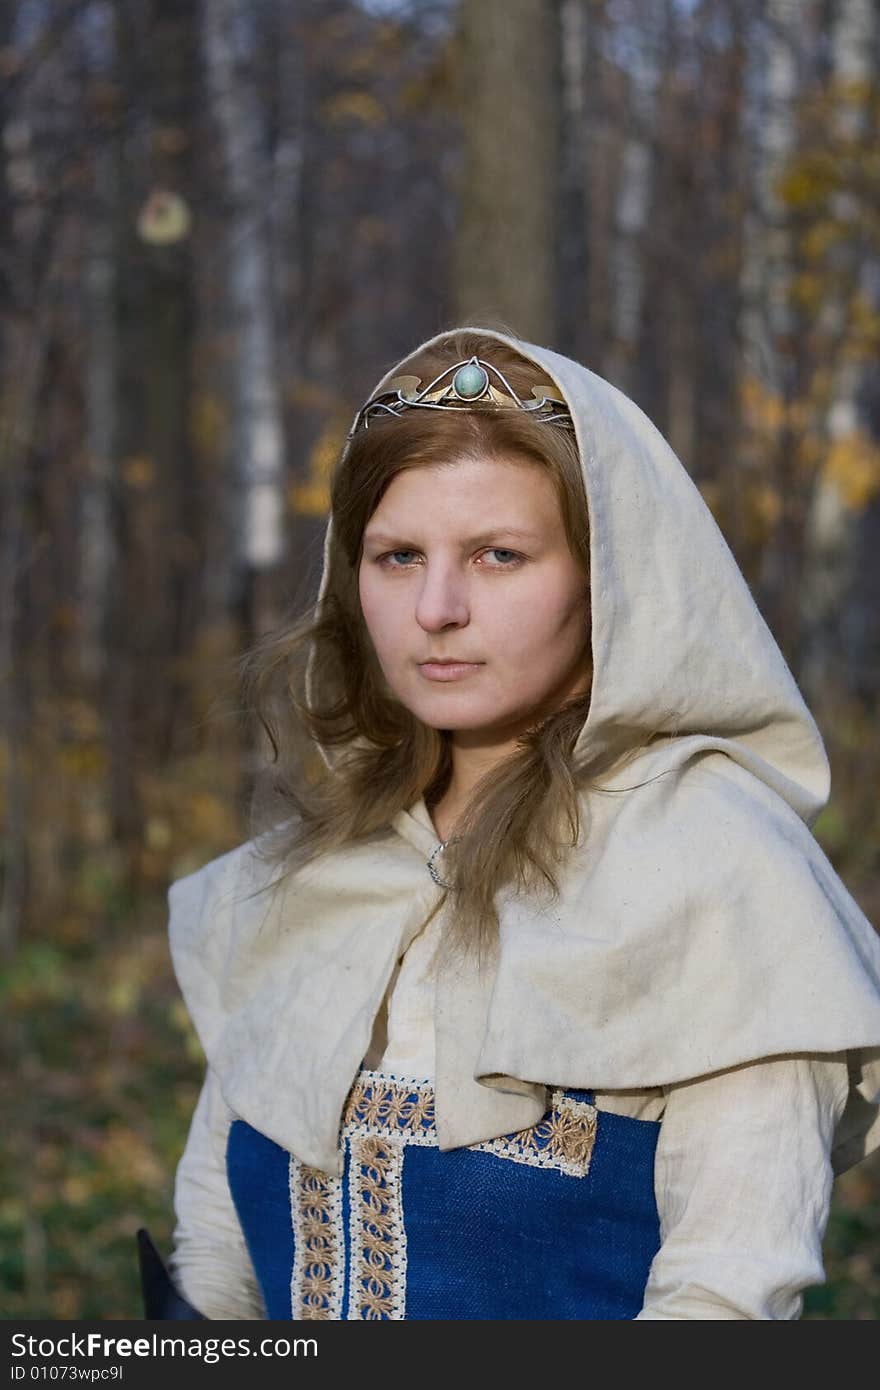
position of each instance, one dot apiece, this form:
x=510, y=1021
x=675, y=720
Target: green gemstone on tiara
x=470, y=381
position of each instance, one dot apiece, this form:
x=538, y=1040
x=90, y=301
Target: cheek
x=374, y=605
x=369, y=608
x=380, y=615
x=550, y=618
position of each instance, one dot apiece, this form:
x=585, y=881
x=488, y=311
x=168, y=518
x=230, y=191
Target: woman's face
x=470, y=561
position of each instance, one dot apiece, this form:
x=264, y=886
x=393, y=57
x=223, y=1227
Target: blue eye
x=509, y=559
x=390, y=553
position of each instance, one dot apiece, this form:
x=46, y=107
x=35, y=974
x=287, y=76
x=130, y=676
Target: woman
x=555, y=1008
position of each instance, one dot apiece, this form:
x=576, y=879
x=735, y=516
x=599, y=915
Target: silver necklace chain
x=432, y=868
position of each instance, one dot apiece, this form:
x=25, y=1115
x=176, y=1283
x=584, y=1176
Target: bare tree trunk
x=505, y=253
x=121, y=432
x=31, y=236
x=98, y=555
x=719, y=311
x=573, y=320
x=634, y=199
x=603, y=114
x=25, y=345
x=841, y=624
x=257, y=458
x=13, y=558
x=287, y=205
x=655, y=349
x=165, y=504
x=768, y=333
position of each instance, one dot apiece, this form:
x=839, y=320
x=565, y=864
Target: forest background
x=219, y=223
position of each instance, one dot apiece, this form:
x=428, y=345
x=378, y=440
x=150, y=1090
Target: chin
x=442, y=714
x=466, y=721
x=445, y=719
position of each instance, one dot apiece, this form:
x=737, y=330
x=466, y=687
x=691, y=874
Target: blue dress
x=555, y=1221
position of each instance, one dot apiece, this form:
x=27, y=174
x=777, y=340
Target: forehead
x=512, y=491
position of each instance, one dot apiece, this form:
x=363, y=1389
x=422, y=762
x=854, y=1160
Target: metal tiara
x=471, y=385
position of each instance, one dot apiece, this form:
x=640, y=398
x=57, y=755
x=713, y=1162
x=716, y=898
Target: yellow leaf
x=766, y=503
x=76, y=1189
x=819, y=239
x=764, y=409
x=312, y=497
x=138, y=471
x=806, y=292
x=209, y=422
x=157, y=833
x=354, y=105
x=87, y=760
x=853, y=465
x=309, y=395
x=309, y=499
x=122, y=997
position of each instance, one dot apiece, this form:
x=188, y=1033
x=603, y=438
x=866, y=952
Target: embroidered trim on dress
x=377, y=1288
x=380, y=1104
x=563, y=1140
x=317, y=1277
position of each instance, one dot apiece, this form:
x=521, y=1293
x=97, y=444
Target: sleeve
x=743, y=1180
x=210, y=1263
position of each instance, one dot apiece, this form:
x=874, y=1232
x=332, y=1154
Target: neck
x=474, y=752
x=470, y=762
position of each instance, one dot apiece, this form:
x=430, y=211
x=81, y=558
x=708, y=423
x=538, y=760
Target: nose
x=443, y=598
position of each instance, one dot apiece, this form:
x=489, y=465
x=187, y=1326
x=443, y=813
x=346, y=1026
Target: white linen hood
x=700, y=925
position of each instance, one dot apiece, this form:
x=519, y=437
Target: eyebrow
x=386, y=538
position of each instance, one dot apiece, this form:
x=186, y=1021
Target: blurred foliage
x=102, y=1066
x=103, y=1078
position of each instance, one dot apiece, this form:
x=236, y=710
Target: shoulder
x=708, y=795
x=240, y=873
x=764, y=848
x=210, y=886
x=194, y=888
x=712, y=822
x=212, y=913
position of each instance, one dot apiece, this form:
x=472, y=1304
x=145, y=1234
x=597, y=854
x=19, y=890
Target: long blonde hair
x=378, y=758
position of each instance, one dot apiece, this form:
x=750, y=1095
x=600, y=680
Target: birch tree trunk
x=256, y=518
x=770, y=135
x=287, y=212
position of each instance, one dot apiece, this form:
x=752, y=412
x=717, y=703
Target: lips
x=448, y=670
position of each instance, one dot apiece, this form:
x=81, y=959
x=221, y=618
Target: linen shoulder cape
x=700, y=925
